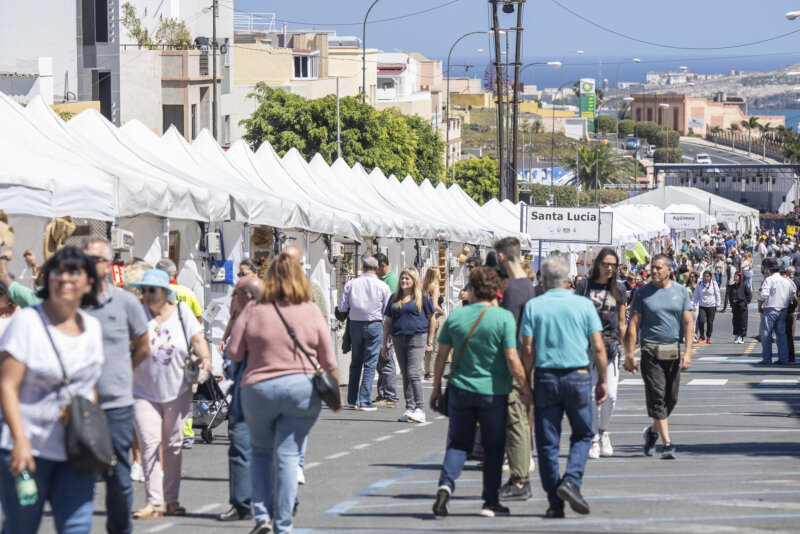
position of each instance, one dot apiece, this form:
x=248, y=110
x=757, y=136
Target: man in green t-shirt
x=387, y=372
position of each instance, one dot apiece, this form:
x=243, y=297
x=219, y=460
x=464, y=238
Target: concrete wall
x=255, y=64
x=480, y=100
x=463, y=85
x=140, y=88
x=413, y=107
x=430, y=75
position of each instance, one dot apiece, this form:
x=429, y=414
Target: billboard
x=683, y=221
x=587, y=101
x=564, y=224
x=697, y=122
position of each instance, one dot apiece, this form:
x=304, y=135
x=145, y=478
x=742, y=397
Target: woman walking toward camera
x=706, y=298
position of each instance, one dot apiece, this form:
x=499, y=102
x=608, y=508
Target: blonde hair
x=416, y=289
x=285, y=281
x=432, y=276
x=133, y=273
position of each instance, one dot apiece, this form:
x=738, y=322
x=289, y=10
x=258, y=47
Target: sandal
x=150, y=511
x=174, y=508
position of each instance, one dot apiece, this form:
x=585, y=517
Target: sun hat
x=154, y=278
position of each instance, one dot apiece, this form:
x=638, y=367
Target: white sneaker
x=532, y=466
x=605, y=445
x=404, y=418
x=594, y=451
x=301, y=476
x=417, y=416
x=506, y=467
x=137, y=473
x=367, y=408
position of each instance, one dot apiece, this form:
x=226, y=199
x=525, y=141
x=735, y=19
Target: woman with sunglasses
x=37, y=343
x=608, y=296
x=162, y=395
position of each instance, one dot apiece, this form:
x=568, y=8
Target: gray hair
x=790, y=270
x=555, y=271
x=370, y=263
x=92, y=239
x=168, y=266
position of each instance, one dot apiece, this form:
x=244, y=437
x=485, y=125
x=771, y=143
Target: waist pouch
x=662, y=352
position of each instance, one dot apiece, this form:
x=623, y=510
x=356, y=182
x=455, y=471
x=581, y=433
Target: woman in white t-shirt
x=162, y=397
x=7, y=309
x=32, y=395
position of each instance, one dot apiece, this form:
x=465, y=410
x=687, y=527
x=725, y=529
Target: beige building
x=697, y=115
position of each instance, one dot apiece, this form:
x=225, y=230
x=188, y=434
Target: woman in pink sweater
x=278, y=398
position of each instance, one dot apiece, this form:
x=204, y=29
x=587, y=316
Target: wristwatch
x=4, y=257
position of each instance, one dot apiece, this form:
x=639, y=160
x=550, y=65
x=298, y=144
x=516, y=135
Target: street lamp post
x=629, y=100
x=553, y=141
x=562, y=62
x=364, y=52
x=447, y=107
x=664, y=106
x=616, y=84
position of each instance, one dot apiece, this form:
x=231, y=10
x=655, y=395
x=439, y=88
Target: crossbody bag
x=442, y=406
x=86, y=437
x=192, y=374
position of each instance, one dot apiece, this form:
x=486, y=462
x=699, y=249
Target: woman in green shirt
x=484, y=340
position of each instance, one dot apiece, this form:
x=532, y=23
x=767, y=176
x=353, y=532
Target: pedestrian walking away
x=791, y=312
x=410, y=323
x=364, y=298
x=386, y=368
x=706, y=297
x=484, y=339
x=661, y=313
x=608, y=297
x=557, y=330
x=776, y=295
x=518, y=434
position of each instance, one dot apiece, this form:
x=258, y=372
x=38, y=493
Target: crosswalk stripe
x=708, y=382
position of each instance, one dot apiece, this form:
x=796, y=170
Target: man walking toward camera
x=662, y=310
x=557, y=330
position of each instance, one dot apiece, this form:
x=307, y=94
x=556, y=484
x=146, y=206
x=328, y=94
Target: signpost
x=568, y=224
x=587, y=101
x=728, y=217
x=683, y=221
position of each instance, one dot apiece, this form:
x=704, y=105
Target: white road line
x=404, y=431
x=337, y=455
x=438, y=417
x=361, y=446
x=311, y=465
x=708, y=382
x=382, y=438
x=160, y=528
x=425, y=424
x=631, y=382
x=778, y=382
x=206, y=508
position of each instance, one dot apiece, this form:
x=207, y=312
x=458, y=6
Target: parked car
x=632, y=143
x=650, y=150
x=702, y=159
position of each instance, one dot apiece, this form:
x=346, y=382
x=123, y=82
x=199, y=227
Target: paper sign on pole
x=683, y=221
x=564, y=224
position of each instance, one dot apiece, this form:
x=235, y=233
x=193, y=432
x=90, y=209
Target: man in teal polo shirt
x=557, y=329
x=386, y=369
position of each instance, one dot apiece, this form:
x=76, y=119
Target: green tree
x=627, y=127
x=596, y=165
x=668, y=155
x=479, y=178
x=605, y=123
x=394, y=142
x=565, y=195
x=791, y=148
x=667, y=138
x=133, y=25
x=750, y=124
x=65, y=115
x=649, y=130
x=174, y=33
x=538, y=127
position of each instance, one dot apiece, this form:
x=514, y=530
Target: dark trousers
x=119, y=486
x=662, y=380
x=466, y=409
x=739, y=318
x=728, y=291
x=240, y=487
x=556, y=392
x=387, y=376
x=705, y=321
x=790, y=319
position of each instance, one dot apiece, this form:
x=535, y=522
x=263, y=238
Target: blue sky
x=552, y=31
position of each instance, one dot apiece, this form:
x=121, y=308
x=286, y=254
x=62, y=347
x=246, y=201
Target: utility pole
x=364, y=53
x=215, y=6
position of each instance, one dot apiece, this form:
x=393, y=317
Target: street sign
x=683, y=221
x=726, y=216
x=564, y=224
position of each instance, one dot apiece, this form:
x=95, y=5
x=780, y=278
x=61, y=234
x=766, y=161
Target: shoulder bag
x=86, y=437
x=442, y=406
x=324, y=382
x=192, y=374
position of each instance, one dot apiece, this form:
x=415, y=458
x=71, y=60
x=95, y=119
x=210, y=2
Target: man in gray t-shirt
x=663, y=311
x=125, y=346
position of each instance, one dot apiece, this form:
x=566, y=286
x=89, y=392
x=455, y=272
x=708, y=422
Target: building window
x=306, y=66
x=101, y=21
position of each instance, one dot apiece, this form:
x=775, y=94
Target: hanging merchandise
x=56, y=234
x=6, y=232
x=222, y=272
x=117, y=271
x=638, y=252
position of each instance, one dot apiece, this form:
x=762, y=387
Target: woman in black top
x=608, y=296
x=740, y=298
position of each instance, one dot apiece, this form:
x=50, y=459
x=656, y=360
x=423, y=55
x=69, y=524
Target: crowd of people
x=518, y=340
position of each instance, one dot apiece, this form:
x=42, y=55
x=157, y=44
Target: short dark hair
x=381, y=257
x=662, y=257
x=475, y=258
x=250, y=264
x=72, y=258
x=485, y=282
x=509, y=247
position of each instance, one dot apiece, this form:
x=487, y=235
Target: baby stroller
x=209, y=408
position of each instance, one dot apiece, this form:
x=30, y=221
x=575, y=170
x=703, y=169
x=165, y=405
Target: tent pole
x=165, y=237
x=308, y=253
x=246, y=240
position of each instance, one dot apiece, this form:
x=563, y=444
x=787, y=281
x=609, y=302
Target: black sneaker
x=571, y=493
x=554, y=513
x=442, y=498
x=510, y=492
x=492, y=509
x=669, y=452
x=650, y=441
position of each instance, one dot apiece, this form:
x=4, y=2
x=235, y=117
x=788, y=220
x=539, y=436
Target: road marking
x=424, y=424
x=341, y=508
x=159, y=528
x=339, y=455
x=778, y=382
x=631, y=382
x=206, y=508
x=439, y=417
x=382, y=438
x=404, y=431
x=362, y=446
x=311, y=465
x=708, y=382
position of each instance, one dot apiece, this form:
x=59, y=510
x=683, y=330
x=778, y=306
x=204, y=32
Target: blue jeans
x=718, y=276
x=465, y=410
x=387, y=377
x=279, y=413
x=239, y=485
x=119, y=486
x=774, y=319
x=556, y=391
x=69, y=492
x=365, y=338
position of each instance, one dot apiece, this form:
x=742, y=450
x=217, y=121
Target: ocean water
x=792, y=115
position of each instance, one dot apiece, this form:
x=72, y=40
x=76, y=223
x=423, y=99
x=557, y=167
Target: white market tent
x=706, y=220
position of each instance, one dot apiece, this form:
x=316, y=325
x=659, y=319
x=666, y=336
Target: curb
x=703, y=142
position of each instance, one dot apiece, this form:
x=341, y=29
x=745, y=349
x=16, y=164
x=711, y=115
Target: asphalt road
x=738, y=466
x=718, y=155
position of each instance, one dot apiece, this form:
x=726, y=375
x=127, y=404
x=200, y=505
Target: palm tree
x=715, y=131
x=596, y=166
x=791, y=148
x=749, y=124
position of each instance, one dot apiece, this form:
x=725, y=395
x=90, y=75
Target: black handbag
x=86, y=437
x=324, y=382
x=441, y=407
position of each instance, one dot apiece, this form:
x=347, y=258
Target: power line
x=662, y=45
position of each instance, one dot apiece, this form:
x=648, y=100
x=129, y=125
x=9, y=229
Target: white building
x=62, y=50
x=399, y=85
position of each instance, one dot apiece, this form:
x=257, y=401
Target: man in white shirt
x=776, y=295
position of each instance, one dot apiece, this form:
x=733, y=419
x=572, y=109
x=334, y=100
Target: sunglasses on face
x=150, y=290
x=608, y=265
x=98, y=259
x=73, y=273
